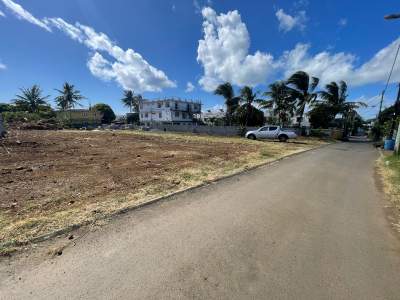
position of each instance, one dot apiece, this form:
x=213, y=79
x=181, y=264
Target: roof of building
x=172, y=99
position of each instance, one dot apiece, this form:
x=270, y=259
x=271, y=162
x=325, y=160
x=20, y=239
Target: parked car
x=271, y=132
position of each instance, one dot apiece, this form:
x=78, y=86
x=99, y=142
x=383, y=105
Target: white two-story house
x=169, y=111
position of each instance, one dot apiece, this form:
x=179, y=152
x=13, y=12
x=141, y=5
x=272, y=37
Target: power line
x=388, y=80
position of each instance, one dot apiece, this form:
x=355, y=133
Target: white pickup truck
x=271, y=132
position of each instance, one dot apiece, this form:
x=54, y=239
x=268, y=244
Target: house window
x=159, y=104
x=146, y=115
x=188, y=106
x=160, y=115
x=177, y=114
x=141, y=116
x=176, y=105
x=141, y=105
x=184, y=115
x=166, y=104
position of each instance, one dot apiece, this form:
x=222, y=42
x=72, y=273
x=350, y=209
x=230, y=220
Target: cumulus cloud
x=189, y=87
x=288, y=22
x=23, y=14
x=326, y=66
x=223, y=52
x=127, y=67
x=341, y=66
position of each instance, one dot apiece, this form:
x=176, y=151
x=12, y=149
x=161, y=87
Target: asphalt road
x=309, y=227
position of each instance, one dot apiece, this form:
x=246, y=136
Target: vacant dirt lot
x=53, y=179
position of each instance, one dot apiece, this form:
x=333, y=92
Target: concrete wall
x=211, y=130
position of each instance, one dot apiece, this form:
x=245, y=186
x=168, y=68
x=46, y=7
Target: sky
x=185, y=48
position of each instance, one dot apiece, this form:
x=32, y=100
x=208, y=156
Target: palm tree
x=31, y=99
x=231, y=101
x=248, y=97
x=280, y=101
x=131, y=100
x=69, y=97
x=303, y=91
x=335, y=96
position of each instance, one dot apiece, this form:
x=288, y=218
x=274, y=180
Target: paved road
x=308, y=227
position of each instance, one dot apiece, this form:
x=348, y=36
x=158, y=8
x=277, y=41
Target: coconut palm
x=131, y=100
x=31, y=99
x=69, y=97
x=335, y=96
x=280, y=101
x=302, y=87
x=248, y=97
x=231, y=101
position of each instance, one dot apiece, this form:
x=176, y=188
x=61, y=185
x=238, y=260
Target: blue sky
x=161, y=47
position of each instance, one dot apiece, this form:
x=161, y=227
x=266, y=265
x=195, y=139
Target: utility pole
x=396, y=113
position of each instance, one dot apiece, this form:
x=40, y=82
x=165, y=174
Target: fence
x=204, y=129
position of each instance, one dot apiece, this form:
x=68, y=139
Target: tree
x=280, y=102
x=31, y=99
x=248, y=97
x=106, y=110
x=231, y=101
x=335, y=96
x=321, y=116
x=69, y=97
x=254, y=118
x=302, y=87
x=131, y=100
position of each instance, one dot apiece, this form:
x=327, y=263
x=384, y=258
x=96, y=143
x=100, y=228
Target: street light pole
x=397, y=103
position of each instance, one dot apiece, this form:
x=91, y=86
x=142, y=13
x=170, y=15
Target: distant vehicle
x=271, y=132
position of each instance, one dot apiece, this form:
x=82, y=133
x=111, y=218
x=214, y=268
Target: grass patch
x=391, y=174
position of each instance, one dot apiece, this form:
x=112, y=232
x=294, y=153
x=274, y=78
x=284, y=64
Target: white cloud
x=127, y=67
x=2, y=66
x=189, y=87
x=328, y=67
x=23, y=14
x=288, y=22
x=342, y=66
x=223, y=52
x=2, y=14
x=342, y=22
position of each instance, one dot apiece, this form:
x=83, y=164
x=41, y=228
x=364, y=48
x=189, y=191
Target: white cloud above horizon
x=2, y=14
x=2, y=66
x=224, y=55
x=189, y=87
x=223, y=52
x=127, y=67
x=23, y=14
x=288, y=22
x=342, y=66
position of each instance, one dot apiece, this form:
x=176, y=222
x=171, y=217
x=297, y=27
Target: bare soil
x=53, y=179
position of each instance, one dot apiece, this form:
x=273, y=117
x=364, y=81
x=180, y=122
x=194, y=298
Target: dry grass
x=389, y=169
x=53, y=180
